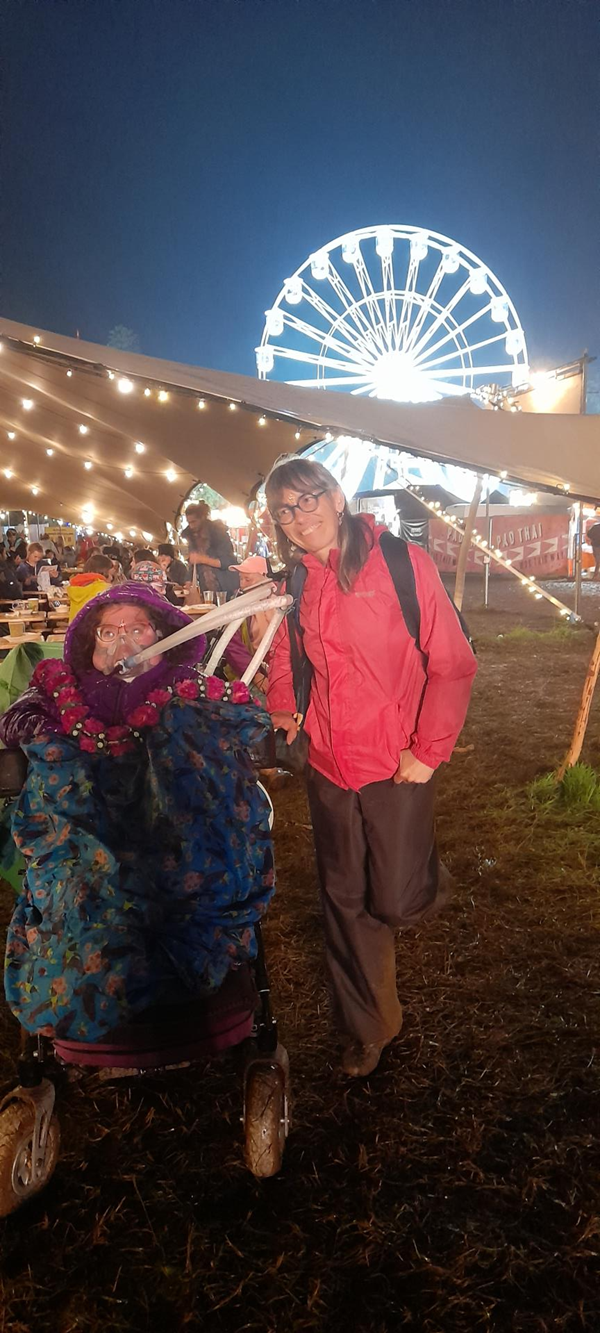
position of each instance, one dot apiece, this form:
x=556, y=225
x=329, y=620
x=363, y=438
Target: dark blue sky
x=167, y=163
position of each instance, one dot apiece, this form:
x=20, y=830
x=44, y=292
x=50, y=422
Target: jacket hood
x=139, y=594
x=82, y=580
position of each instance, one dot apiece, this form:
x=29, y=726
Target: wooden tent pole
x=576, y=745
x=461, y=564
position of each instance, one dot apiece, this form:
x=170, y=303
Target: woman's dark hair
x=355, y=538
x=98, y=564
x=165, y=548
x=21, y=550
x=144, y=554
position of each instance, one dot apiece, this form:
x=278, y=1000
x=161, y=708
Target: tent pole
x=576, y=745
x=577, y=554
x=461, y=564
x=488, y=538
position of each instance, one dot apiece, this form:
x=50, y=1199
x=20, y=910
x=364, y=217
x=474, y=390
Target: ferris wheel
x=393, y=312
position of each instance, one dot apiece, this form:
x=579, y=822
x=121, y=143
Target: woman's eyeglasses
x=306, y=504
x=108, y=634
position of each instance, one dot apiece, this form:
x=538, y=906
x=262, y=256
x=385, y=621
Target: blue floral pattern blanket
x=145, y=873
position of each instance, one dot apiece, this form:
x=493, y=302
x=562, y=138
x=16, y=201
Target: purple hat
x=144, y=595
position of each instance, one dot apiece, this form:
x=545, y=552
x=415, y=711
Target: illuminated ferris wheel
x=393, y=312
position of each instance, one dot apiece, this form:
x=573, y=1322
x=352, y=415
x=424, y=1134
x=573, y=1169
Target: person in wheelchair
x=145, y=836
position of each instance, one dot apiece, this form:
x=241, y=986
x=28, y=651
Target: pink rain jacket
x=370, y=695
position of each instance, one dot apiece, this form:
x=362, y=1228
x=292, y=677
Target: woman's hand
x=285, y=722
x=411, y=769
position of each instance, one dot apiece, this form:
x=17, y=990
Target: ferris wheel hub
x=396, y=377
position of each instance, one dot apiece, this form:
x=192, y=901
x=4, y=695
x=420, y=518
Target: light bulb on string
x=69, y=374
x=125, y=385
x=201, y=404
x=128, y=472
x=27, y=404
x=88, y=466
x=147, y=393
x=170, y=474
x=162, y=396
x=49, y=452
x=139, y=447
x=84, y=430
x=12, y=435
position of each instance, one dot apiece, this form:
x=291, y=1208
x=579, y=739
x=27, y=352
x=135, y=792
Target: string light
x=494, y=554
x=27, y=404
x=147, y=536
x=88, y=466
x=37, y=340
x=297, y=435
x=132, y=532
x=147, y=393
x=262, y=421
x=170, y=474
x=124, y=385
x=84, y=430
x=162, y=395
x=49, y=452
x=109, y=527
x=110, y=375
x=139, y=447
x=128, y=472
x=201, y=404
x=69, y=374
x=35, y=490
x=8, y=474
x=12, y=435
x=232, y=407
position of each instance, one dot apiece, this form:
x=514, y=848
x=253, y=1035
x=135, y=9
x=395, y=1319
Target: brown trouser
x=379, y=870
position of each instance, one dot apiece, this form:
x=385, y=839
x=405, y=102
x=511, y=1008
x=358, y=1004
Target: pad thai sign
x=537, y=544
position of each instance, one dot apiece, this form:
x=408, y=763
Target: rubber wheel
x=264, y=1120
x=16, y=1136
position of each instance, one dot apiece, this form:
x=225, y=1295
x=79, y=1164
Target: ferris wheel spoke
x=389, y=299
x=357, y=334
x=419, y=354
x=342, y=380
x=315, y=359
x=354, y=356
x=369, y=296
x=428, y=300
x=354, y=336
x=441, y=317
x=412, y=278
x=472, y=347
x=467, y=370
x=367, y=328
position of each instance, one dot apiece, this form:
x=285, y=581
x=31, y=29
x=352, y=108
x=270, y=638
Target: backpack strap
x=302, y=671
x=397, y=558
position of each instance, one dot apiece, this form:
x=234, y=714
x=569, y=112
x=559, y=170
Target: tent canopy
x=51, y=386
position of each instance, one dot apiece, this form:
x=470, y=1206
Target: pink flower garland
x=59, y=684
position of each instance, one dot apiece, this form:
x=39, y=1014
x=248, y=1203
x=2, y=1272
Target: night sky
x=166, y=164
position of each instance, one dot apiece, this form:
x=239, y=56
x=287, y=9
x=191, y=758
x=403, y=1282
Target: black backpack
x=397, y=558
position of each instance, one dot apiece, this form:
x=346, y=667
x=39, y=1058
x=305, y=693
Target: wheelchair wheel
x=265, y=1117
x=17, y=1183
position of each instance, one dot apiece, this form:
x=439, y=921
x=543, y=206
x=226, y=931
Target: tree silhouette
x=126, y=340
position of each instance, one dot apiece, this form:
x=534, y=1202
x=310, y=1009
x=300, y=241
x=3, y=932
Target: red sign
x=537, y=544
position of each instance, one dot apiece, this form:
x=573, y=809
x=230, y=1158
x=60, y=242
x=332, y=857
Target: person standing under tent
x=382, y=716
x=176, y=573
x=210, y=548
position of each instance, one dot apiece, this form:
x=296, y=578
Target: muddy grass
x=456, y=1189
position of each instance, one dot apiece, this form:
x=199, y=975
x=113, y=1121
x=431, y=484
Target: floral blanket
x=146, y=872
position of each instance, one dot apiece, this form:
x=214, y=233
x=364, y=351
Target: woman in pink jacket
x=383, y=714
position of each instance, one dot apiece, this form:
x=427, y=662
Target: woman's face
x=121, y=630
x=316, y=531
